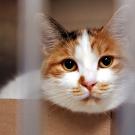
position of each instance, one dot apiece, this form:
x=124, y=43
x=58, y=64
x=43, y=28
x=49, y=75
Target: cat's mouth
x=91, y=98
x=83, y=94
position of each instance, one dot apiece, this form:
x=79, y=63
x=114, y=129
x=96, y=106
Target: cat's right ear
x=117, y=26
x=51, y=32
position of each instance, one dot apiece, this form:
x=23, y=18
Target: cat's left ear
x=51, y=32
x=117, y=26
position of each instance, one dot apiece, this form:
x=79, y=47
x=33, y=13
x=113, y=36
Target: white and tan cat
x=86, y=70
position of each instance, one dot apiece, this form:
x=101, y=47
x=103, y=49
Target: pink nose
x=89, y=84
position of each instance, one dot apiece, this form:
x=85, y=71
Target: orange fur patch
x=103, y=86
x=77, y=92
x=103, y=44
x=81, y=80
x=52, y=63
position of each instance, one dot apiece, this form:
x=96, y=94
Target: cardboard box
x=54, y=120
x=8, y=112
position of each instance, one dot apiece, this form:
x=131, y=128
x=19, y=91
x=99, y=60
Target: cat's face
x=84, y=70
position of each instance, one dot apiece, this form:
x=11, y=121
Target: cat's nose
x=88, y=84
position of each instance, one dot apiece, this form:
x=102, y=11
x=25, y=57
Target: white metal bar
x=125, y=115
x=28, y=119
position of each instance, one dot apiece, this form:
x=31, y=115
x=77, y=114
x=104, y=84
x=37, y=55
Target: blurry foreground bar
x=28, y=110
x=124, y=117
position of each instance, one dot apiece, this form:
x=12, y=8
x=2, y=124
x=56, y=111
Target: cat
x=86, y=70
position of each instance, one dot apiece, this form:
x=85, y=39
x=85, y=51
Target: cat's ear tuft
x=117, y=26
x=51, y=32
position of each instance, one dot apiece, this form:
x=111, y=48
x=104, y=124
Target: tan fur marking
x=81, y=80
x=117, y=66
x=103, y=44
x=52, y=63
x=103, y=86
x=77, y=92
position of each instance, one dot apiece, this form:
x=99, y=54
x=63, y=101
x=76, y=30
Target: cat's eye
x=105, y=61
x=69, y=65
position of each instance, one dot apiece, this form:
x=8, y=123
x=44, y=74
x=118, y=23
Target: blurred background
x=8, y=39
x=18, y=49
x=72, y=14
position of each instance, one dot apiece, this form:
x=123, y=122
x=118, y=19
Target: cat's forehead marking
x=83, y=51
x=103, y=43
x=84, y=41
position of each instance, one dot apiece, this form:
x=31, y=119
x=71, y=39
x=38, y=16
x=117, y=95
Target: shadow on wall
x=8, y=35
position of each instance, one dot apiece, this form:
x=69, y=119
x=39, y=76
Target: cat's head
x=85, y=70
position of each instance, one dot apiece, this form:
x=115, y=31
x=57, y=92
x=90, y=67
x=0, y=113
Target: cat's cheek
x=69, y=80
x=106, y=75
x=78, y=94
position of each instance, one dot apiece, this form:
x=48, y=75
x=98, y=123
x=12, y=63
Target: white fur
x=26, y=86
x=59, y=90
x=85, y=58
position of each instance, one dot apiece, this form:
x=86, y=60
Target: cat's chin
x=91, y=100
x=92, y=107
x=89, y=105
